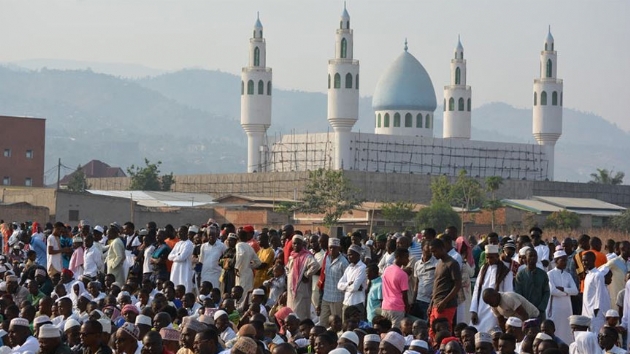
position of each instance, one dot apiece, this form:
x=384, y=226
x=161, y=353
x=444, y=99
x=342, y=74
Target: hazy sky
x=502, y=41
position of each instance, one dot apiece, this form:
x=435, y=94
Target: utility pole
x=58, y=173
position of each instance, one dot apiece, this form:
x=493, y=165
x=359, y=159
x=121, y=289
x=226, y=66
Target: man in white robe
x=181, y=256
x=496, y=275
x=300, y=270
x=596, y=300
x=562, y=287
x=245, y=263
x=209, y=256
x=619, y=267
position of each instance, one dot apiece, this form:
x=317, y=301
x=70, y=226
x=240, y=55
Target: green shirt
x=533, y=286
x=34, y=299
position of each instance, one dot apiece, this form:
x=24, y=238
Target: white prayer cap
x=483, y=337
x=258, y=291
x=71, y=323
x=48, y=331
x=369, y=243
x=579, y=320
x=355, y=248
x=339, y=351
x=41, y=319
x=298, y=237
x=409, y=351
x=142, y=319
x=18, y=321
x=77, y=239
x=514, y=322
x=232, y=236
x=543, y=336
x=143, y=232
x=510, y=244
x=558, y=254
x=351, y=336
x=523, y=250
x=372, y=338
x=334, y=242
x=219, y=314
x=419, y=343
x=107, y=325
x=99, y=228
x=301, y=343
x=193, y=229
x=395, y=339
x=492, y=249
x=612, y=313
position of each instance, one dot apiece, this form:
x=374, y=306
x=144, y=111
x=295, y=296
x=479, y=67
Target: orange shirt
x=171, y=243
x=600, y=260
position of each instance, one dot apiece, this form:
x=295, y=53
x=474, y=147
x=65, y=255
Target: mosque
x=404, y=104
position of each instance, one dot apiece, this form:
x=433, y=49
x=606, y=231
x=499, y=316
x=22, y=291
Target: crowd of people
x=213, y=289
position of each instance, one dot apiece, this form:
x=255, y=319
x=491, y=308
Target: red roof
x=96, y=169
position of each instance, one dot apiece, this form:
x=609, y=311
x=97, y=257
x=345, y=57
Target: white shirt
x=227, y=335
x=146, y=263
x=54, y=260
x=209, y=256
x=354, y=283
x=614, y=350
x=543, y=255
x=93, y=261
x=30, y=346
x=456, y=256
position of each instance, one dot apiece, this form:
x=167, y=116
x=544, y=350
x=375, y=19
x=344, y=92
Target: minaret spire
x=457, y=98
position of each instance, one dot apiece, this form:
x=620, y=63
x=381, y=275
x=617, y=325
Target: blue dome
x=405, y=85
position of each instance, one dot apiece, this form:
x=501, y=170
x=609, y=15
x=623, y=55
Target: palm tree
x=603, y=176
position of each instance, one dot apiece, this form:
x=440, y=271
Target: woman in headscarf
x=585, y=343
x=468, y=270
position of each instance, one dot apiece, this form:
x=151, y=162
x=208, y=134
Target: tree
x=440, y=190
x=399, y=212
x=286, y=208
x=438, y=216
x=78, y=181
x=493, y=183
x=563, y=220
x=328, y=192
x=466, y=192
x=621, y=222
x=147, y=178
x=603, y=176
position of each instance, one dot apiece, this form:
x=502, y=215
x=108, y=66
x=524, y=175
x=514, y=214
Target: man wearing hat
x=508, y=255
x=127, y=339
x=562, y=288
x=483, y=343
x=209, y=255
x=371, y=343
x=190, y=327
x=50, y=341
x=514, y=326
x=496, y=275
x=301, y=267
x=419, y=346
x=354, y=282
x=246, y=261
x=19, y=293
x=181, y=256
x=333, y=268
x=21, y=337
x=144, y=324
x=392, y=343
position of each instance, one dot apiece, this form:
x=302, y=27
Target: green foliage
x=466, y=192
x=286, y=208
x=438, y=216
x=399, y=212
x=603, y=176
x=78, y=181
x=328, y=192
x=563, y=220
x=147, y=178
x=493, y=183
x=621, y=222
x=441, y=190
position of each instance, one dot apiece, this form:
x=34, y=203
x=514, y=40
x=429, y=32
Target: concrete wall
x=45, y=197
x=24, y=212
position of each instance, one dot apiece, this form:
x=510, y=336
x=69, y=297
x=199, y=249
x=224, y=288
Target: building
x=23, y=145
x=94, y=169
x=404, y=104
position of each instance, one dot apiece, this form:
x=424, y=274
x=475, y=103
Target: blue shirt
x=39, y=247
x=374, y=298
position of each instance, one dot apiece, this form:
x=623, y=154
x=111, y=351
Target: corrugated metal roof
x=160, y=199
x=579, y=203
x=533, y=206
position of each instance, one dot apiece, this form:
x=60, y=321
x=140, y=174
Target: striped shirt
x=334, y=271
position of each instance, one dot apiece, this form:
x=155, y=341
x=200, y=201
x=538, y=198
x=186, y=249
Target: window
x=269, y=88
x=260, y=34
x=386, y=121
x=458, y=76
x=451, y=104
x=28, y=182
x=356, y=85
x=419, y=121
x=7, y=152
x=242, y=88
x=340, y=24
x=549, y=67
x=261, y=87
x=378, y=120
x=543, y=98
x=73, y=215
x=427, y=122
x=344, y=48
x=250, y=87
x=554, y=98
x=560, y=98
x=469, y=105
x=397, y=120
x=551, y=46
x=460, y=104
x=461, y=55
x=254, y=34
x=6, y=181
x=337, y=80
x=29, y=153
x=347, y=24
x=535, y=98
x=348, y=80
x=408, y=120
x=256, y=56
x=328, y=80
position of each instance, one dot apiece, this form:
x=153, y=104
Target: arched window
x=269, y=88
x=543, y=98
x=386, y=121
x=340, y=24
x=545, y=45
x=469, y=105
x=347, y=24
x=242, y=87
x=348, y=80
x=419, y=121
x=427, y=122
x=458, y=76
x=549, y=67
x=328, y=80
x=260, y=34
x=261, y=87
x=451, y=104
x=254, y=34
x=344, y=47
x=357, y=83
x=250, y=87
x=256, y=56
x=408, y=120
x=378, y=121
x=551, y=46
x=535, y=98
x=460, y=104
x=554, y=98
x=397, y=120
x=337, y=80
x=461, y=55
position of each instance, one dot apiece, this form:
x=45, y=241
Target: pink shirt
x=395, y=281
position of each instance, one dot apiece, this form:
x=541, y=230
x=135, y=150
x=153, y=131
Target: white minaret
x=343, y=92
x=457, y=99
x=547, y=126
x=256, y=99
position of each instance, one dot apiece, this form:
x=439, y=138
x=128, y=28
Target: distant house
x=95, y=169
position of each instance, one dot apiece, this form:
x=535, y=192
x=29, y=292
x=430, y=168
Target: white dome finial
x=258, y=23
